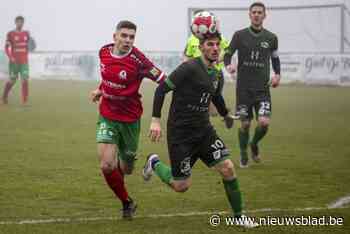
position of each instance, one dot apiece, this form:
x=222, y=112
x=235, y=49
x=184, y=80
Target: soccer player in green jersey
x=256, y=46
x=190, y=135
x=192, y=51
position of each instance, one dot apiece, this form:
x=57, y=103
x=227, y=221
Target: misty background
x=81, y=25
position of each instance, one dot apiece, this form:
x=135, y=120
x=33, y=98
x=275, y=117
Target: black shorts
x=248, y=100
x=209, y=148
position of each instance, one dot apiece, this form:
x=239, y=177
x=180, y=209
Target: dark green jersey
x=254, y=54
x=193, y=89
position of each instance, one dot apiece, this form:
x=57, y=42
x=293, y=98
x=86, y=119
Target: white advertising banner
x=63, y=65
x=332, y=69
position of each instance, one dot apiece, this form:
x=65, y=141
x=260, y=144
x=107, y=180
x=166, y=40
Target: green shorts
x=124, y=135
x=15, y=69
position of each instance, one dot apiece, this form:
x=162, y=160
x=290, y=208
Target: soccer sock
x=120, y=169
x=260, y=132
x=7, y=89
x=234, y=196
x=116, y=182
x=163, y=172
x=25, y=91
x=243, y=136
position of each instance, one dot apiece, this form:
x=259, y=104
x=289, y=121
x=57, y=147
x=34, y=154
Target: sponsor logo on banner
x=304, y=68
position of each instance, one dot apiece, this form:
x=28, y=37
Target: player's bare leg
x=243, y=137
x=212, y=110
x=163, y=171
x=115, y=178
x=25, y=91
x=233, y=193
x=8, y=86
x=125, y=167
x=260, y=132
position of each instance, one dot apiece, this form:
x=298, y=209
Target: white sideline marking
x=341, y=202
x=87, y=219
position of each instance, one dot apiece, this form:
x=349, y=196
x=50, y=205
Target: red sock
x=120, y=169
x=25, y=91
x=116, y=182
x=7, y=89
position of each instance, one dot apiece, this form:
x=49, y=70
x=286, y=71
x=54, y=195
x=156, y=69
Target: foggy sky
x=88, y=24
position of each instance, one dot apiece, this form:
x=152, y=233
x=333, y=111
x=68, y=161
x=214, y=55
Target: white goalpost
x=301, y=29
x=314, y=40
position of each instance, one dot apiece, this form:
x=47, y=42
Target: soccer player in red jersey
x=123, y=68
x=16, y=48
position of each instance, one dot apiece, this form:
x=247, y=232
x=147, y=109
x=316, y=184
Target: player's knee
x=181, y=186
x=245, y=125
x=264, y=122
x=226, y=169
x=126, y=166
x=107, y=167
x=12, y=81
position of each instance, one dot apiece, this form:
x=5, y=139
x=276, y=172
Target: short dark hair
x=258, y=4
x=210, y=36
x=19, y=18
x=196, y=11
x=126, y=24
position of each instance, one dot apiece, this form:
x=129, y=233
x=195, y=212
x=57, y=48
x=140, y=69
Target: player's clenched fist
x=96, y=95
x=275, y=81
x=155, y=130
x=229, y=120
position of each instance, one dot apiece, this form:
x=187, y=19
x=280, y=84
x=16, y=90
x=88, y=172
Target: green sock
x=259, y=134
x=243, y=137
x=163, y=172
x=234, y=196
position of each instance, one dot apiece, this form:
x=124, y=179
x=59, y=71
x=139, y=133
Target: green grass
x=49, y=167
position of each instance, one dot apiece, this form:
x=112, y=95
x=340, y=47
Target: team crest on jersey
x=122, y=75
x=155, y=72
x=265, y=44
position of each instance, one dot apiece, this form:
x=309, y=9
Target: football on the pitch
x=204, y=23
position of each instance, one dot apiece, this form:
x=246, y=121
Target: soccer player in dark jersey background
x=192, y=51
x=255, y=46
x=123, y=68
x=190, y=135
x=16, y=48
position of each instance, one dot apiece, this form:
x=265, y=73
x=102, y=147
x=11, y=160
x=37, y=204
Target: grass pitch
x=49, y=167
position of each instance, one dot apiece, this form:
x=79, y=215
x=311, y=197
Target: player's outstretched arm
x=8, y=49
x=174, y=80
x=155, y=131
x=276, y=66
